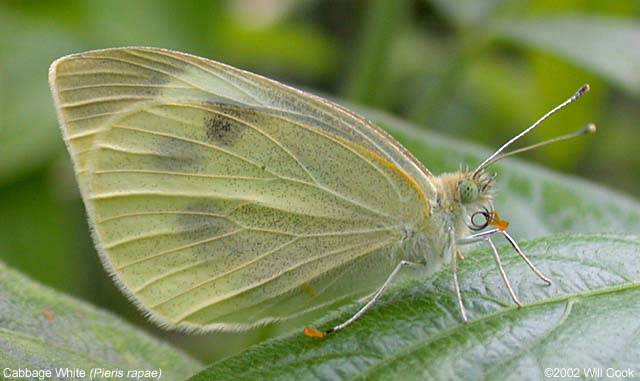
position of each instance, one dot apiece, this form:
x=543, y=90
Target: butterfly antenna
x=588, y=129
x=496, y=155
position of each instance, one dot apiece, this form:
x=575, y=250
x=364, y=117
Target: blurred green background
x=475, y=70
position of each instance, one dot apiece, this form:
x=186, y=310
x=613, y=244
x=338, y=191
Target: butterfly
x=220, y=200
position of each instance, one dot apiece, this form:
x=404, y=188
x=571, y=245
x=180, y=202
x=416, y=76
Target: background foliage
x=473, y=70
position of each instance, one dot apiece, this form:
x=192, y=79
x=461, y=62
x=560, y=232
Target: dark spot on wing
x=178, y=156
x=222, y=130
x=156, y=81
x=197, y=225
x=202, y=225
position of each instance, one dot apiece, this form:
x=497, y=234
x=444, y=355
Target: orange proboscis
x=497, y=222
x=312, y=332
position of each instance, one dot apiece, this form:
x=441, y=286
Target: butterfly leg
x=452, y=247
x=486, y=236
x=496, y=256
x=315, y=333
x=482, y=236
x=533, y=268
x=456, y=284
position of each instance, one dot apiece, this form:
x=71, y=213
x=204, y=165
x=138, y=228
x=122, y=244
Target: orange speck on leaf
x=312, y=332
x=48, y=314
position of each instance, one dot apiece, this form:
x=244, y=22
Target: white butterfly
x=222, y=200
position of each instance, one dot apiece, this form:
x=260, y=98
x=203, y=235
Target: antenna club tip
x=590, y=128
x=584, y=89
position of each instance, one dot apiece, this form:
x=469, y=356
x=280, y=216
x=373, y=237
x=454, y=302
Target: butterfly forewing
x=220, y=199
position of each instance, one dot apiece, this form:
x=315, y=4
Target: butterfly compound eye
x=480, y=220
x=468, y=191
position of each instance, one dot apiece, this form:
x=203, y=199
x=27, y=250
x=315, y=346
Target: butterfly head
x=465, y=200
x=480, y=192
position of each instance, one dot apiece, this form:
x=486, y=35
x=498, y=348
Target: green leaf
x=587, y=318
x=605, y=45
x=42, y=329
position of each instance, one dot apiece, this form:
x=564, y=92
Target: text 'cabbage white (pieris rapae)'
x=222, y=200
